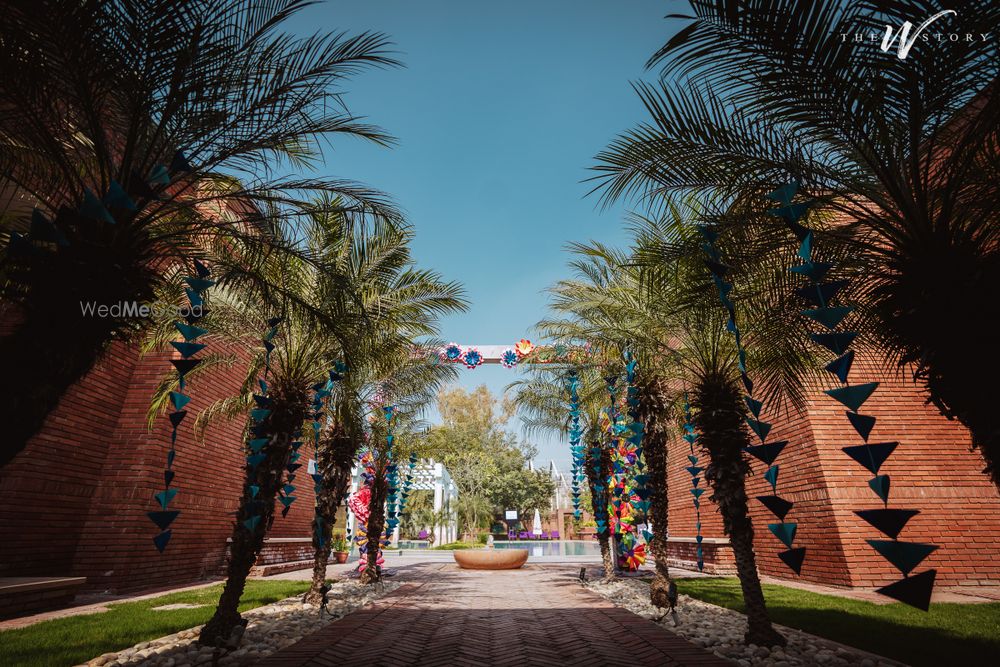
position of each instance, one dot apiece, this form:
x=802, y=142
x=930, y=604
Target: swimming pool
x=554, y=548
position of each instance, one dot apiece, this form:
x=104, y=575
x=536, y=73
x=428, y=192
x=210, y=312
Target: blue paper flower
x=453, y=352
x=508, y=358
x=472, y=358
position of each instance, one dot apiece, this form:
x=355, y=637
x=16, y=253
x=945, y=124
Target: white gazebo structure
x=428, y=475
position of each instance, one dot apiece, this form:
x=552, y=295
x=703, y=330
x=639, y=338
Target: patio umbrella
x=536, y=526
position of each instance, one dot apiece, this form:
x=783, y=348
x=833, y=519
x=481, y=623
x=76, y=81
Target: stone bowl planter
x=490, y=559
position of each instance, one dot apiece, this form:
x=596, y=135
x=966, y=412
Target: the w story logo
x=904, y=37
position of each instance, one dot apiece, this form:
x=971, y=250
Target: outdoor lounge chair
x=555, y=534
x=512, y=534
x=523, y=535
x=422, y=535
x=545, y=535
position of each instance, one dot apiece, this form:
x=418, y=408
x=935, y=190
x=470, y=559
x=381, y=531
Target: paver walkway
x=534, y=616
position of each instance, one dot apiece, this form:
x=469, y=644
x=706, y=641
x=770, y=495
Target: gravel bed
x=721, y=631
x=270, y=628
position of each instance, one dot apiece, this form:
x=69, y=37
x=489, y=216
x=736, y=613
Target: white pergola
x=428, y=475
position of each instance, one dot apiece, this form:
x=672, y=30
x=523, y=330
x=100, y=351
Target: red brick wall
x=932, y=470
x=75, y=501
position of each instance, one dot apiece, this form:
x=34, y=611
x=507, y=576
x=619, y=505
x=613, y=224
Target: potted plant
x=341, y=549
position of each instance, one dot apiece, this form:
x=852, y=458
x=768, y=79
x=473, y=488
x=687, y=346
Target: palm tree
x=136, y=137
x=899, y=154
x=377, y=285
x=630, y=299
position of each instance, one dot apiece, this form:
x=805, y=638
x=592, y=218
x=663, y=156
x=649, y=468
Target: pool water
x=554, y=548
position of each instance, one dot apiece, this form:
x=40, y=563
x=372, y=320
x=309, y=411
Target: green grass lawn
x=70, y=641
x=948, y=634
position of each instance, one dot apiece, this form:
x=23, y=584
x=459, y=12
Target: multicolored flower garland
x=196, y=286
x=766, y=452
x=905, y=556
x=694, y=470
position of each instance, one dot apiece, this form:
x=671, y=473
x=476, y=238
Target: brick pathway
x=533, y=616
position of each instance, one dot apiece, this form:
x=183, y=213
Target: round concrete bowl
x=490, y=559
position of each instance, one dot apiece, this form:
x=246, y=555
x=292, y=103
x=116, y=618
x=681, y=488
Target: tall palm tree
x=134, y=137
x=629, y=298
x=397, y=304
x=902, y=154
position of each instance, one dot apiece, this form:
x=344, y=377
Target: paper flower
x=508, y=358
x=453, y=352
x=523, y=347
x=472, y=358
x=359, y=503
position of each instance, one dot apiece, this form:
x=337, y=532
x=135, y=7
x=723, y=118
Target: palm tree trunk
x=334, y=461
x=375, y=528
x=288, y=411
x=718, y=417
x=598, y=480
x=655, y=416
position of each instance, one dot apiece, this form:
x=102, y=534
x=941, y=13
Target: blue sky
x=499, y=111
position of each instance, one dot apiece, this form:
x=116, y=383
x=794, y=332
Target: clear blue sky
x=499, y=111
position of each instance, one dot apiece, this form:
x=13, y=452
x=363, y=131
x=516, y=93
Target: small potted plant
x=341, y=549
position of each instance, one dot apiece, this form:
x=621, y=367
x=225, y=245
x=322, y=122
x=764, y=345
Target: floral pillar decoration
x=694, y=470
x=359, y=503
x=392, y=482
x=322, y=393
x=258, y=440
x=575, y=433
x=913, y=590
x=187, y=348
x=766, y=452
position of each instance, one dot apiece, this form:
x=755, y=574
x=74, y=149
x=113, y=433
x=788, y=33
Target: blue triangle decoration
x=94, y=209
x=251, y=523
x=914, y=591
x=187, y=349
x=888, y=521
x=853, y=396
x=177, y=417
x=837, y=342
x=759, y=427
x=820, y=295
x=697, y=492
x=161, y=540
x=793, y=558
x=179, y=400
x=784, y=532
x=905, y=556
x=871, y=456
x=841, y=366
x=880, y=485
x=254, y=490
x=286, y=500
x=255, y=460
x=863, y=424
x=163, y=518
x=184, y=366
x=754, y=405
x=189, y=332
x=767, y=452
x=164, y=497
x=258, y=444
x=116, y=198
x=771, y=475
x=779, y=506
x=829, y=316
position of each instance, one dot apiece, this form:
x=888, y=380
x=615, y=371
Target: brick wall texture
x=933, y=470
x=74, y=502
